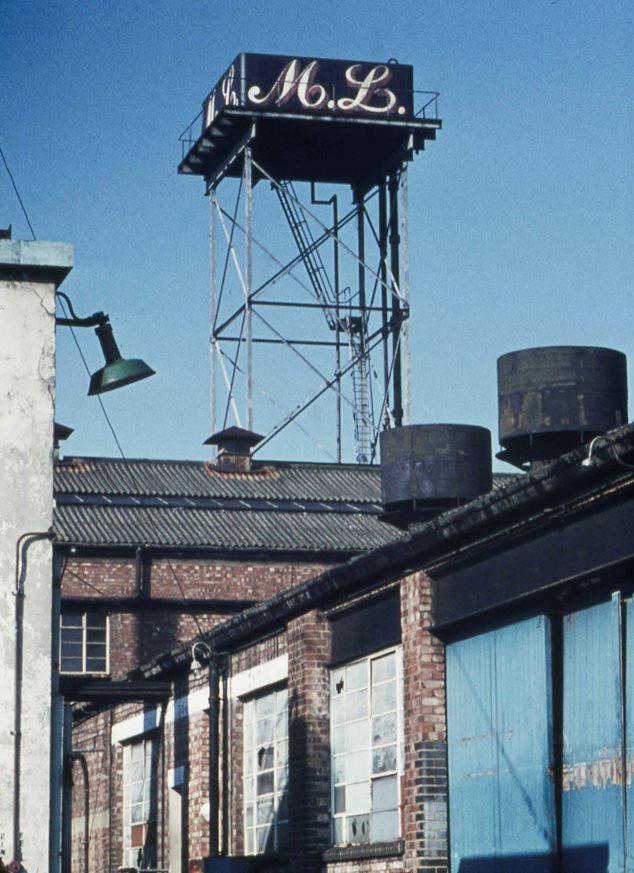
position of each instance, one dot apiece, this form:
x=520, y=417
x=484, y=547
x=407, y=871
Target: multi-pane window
x=84, y=642
x=266, y=772
x=366, y=749
x=139, y=804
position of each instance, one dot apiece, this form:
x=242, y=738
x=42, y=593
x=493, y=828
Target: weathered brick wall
x=260, y=653
x=424, y=794
x=140, y=630
x=198, y=579
x=309, y=652
x=307, y=644
x=91, y=745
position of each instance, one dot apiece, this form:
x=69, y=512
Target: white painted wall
x=29, y=274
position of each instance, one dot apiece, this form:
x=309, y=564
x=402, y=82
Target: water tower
x=309, y=131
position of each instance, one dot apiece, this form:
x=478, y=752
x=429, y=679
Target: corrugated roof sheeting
x=221, y=529
x=195, y=479
x=313, y=507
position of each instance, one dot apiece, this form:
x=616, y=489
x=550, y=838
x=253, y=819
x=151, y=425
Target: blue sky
x=521, y=213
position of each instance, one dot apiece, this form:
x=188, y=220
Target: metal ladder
x=354, y=327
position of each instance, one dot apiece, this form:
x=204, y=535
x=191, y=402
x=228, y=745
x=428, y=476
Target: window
x=266, y=772
x=139, y=803
x=84, y=642
x=366, y=749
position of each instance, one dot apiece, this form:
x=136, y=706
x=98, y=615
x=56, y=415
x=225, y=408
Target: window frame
x=342, y=817
x=85, y=629
x=277, y=827
x=148, y=802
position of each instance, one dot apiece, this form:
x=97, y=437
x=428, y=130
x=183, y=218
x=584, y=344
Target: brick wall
x=307, y=643
x=425, y=772
x=309, y=652
x=140, y=629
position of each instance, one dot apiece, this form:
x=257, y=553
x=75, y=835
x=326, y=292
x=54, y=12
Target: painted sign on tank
x=293, y=85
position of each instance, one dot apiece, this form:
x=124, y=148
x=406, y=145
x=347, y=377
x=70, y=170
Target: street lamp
x=118, y=371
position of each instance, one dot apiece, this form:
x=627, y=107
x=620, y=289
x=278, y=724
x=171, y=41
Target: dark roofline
x=439, y=538
x=257, y=463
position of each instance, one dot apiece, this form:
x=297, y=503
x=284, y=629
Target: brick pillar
x=425, y=777
x=309, y=741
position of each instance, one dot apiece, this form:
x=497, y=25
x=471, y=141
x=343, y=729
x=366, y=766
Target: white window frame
x=140, y=799
x=366, y=741
x=85, y=630
x=265, y=774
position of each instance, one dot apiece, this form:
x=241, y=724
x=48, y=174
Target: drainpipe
x=21, y=547
x=213, y=755
x=224, y=846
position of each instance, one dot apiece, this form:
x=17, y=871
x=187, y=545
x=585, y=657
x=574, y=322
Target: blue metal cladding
x=592, y=778
x=501, y=797
x=629, y=733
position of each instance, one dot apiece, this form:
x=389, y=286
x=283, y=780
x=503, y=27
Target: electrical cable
x=17, y=193
x=85, y=363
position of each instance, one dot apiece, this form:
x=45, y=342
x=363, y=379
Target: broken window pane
x=359, y=829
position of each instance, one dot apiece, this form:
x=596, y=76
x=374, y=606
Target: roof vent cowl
x=555, y=398
x=234, y=448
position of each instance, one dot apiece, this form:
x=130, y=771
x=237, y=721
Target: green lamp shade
x=118, y=371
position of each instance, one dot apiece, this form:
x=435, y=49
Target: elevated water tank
x=553, y=399
x=429, y=468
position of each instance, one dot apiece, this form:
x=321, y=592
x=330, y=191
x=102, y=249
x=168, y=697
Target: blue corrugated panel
x=592, y=797
x=500, y=750
x=629, y=732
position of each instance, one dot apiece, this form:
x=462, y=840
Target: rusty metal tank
x=555, y=398
x=428, y=468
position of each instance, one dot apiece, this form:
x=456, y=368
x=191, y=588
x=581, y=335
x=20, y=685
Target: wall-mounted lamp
x=196, y=665
x=587, y=462
x=118, y=371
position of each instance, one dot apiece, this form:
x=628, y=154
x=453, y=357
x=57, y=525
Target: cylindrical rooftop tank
x=555, y=398
x=428, y=468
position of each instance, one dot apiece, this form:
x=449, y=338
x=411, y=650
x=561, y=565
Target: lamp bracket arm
x=94, y=320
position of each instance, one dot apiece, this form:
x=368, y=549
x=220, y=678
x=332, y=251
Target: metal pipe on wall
x=214, y=722
x=21, y=548
x=396, y=306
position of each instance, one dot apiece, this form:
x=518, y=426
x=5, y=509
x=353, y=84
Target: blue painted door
x=501, y=799
x=593, y=809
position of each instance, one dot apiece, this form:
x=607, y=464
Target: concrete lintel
x=37, y=260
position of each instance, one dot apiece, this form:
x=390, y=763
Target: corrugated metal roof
x=221, y=529
x=274, y=480
x=187, y=504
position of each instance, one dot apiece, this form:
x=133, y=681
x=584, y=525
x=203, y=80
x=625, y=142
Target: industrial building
x=325, y=668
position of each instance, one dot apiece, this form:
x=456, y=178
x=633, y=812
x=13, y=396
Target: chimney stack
x=60, y=433
x=234, y=449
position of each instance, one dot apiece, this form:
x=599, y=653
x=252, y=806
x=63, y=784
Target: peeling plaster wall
x=29, y=274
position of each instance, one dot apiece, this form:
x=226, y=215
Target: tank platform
x=341, y=122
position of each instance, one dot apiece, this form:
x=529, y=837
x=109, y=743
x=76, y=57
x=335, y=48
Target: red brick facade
x=147, y=601
x=183, y=734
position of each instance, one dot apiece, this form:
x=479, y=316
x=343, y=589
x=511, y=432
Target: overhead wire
x=17, y=193
x=101, y=404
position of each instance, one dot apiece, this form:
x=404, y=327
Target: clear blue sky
x=521, y=214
